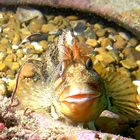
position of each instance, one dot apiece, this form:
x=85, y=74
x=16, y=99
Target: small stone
x=10, y=58
x=16, y=39
x=92, y=42
x=128, y=63
x=3, y=67
x=124, y=35
x=105, y=57
x=100, y=32
x=4, y=42
x=9, y=51
x=120, y=42
x=105, y=42
x=137, y=132
x=2, y=88
x=15, y=66
x=98, y=26
x=89, y=33
x=133, y=42
x=2, y=48
x=11, y=85
x=136, y=74
x=28, y=70
x=35, y=25
x=2, y=126
x=111, y=127
x=2, y=55
x=44, y=44
x=79, y=28
x=72, y=17
x=48, y=27
x=138, y=48
x=15, y=47
x=20, y=53
x=37, y=47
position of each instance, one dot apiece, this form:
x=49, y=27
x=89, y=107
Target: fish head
x=79, y=86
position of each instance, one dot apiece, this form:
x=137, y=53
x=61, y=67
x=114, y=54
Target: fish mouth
x=80, y=98
x=79, y=94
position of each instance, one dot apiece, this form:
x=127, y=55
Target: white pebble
x=15, y=47
x=109, y=47
x=37, y=46
x=137, y=83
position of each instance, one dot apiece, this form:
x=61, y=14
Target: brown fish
x=78, y=89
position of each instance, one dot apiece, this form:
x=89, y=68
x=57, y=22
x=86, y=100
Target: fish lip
x=82, y=99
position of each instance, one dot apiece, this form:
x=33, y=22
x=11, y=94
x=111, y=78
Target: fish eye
x=62, y=67
x=89, y=64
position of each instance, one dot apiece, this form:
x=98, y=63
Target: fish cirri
x=77, y=88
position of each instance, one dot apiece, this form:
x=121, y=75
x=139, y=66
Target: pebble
x=89, y=33
x=97, y=26
x=37, y=47
x=11, y=85
x=111, y=127
x=92, y=42
x=15, y=66
x=2, y=55
x=128, y=63
x=72, y=17
x=3, y=89
x=133, y=42
x=44, y=44
x=138, y=48
x=101, y=32
x=2, y=126
x=3, y=67
x=120, y=42
x=15, y=47
x=137, y=132
x=48, y=27
x=79, y=28
x=105, y=42
x=124, y=35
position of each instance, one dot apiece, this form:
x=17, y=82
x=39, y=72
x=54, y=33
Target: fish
x=78, y=88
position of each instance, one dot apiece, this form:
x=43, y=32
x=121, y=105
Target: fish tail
x=121, y=93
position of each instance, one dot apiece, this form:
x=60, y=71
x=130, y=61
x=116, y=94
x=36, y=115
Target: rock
x=3, y=67
x=2, y=55
x=20, y=53
x=89, y=33
x=137, y=132
x=136, y=74
x=37, y=47
x=120, y=42
x=15, y=47
x=101, y=32
x=35, y=25
x=128, y=63
x=11, y=85
x=133, y=42
x=97, y=26
x=105, y=42
x=92, y=42
x=3, y=89
x=79, y=28
x=125, y=35
x=44, y=44
x=15, y=66
x=48, y=27
x=111, y=127
x=11, y=58
x=138, y=48
x=25, y=14
x=16, y=39
x=72, y=17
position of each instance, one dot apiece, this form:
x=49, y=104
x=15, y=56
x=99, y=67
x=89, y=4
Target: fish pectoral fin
x=122, y=95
